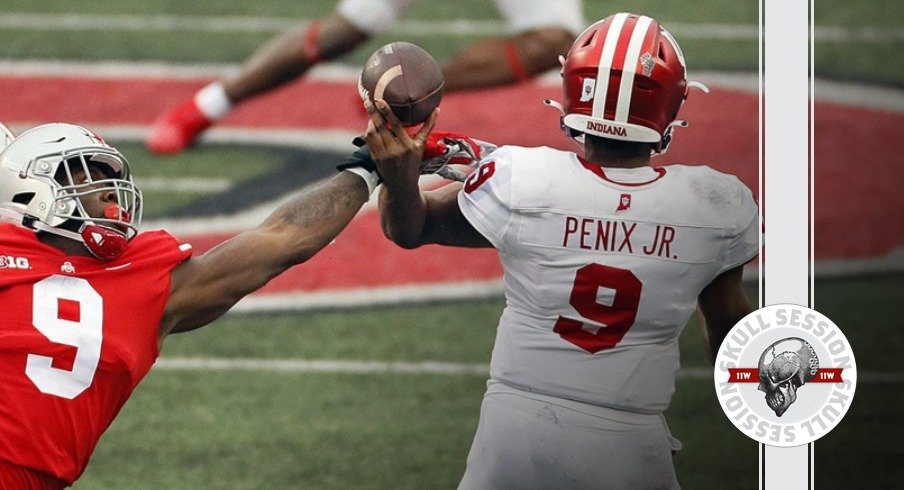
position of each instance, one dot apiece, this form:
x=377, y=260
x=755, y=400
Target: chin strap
x=575, y=136
x=102, y=242
x=12, y=213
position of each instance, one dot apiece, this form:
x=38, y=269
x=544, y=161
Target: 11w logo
x=820, y=375
x=10, y=262
x=785, y=375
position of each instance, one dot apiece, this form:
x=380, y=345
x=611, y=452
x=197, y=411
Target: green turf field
x=268, y=429
x=865, y=57
x=187, y=429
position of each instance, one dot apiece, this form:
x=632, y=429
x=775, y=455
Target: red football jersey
x=76, y=336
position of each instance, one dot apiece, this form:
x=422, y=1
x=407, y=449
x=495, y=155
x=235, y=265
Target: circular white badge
x=785, y=375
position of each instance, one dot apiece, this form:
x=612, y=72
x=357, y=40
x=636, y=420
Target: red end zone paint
x=856, y=149
x=360, y=258
x=514, y=115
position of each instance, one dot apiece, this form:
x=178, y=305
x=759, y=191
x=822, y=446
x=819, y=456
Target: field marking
x=184, y=184
x=317, y=366
x=371, y=296
x=853, y=94
x=339, y=141
x=454, y=27
x=379, y=367
x=333, y=139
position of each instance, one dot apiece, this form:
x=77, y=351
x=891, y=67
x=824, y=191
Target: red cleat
x=177, y=128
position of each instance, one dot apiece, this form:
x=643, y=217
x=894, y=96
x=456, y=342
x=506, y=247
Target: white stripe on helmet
x=672, y=40
x=632, y=58
x=605, y=64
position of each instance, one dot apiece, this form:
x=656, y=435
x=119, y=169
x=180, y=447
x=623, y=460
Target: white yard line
x=380, y=367
x=371, y=296
x=299, y=301
x=183, y=184
x=152, y=69
x=339, y=141
x=858, y=95
x=455, y=27
x=126, y=22
x=317, y=366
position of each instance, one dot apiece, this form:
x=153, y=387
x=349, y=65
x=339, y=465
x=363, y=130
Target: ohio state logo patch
x=785, y=375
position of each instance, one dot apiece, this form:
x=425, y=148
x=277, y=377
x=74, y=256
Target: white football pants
x=530, y=441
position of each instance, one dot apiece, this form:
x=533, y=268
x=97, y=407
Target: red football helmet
x=624, y=78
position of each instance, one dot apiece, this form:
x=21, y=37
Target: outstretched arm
x=410, y=217
x=205, y=287
x=723, y=303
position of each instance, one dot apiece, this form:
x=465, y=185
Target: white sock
x=212, y=101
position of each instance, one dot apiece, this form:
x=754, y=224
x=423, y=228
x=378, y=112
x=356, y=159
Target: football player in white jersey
x=536, y=34
x=605, y=259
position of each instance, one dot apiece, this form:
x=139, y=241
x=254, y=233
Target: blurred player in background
x=539, y=32
x=605, y=259
x=88, y=300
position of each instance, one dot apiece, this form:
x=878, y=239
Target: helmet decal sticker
x=588, y=90
x=646, y=60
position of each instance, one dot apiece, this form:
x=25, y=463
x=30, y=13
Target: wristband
x=358, y=158
x=370, y=178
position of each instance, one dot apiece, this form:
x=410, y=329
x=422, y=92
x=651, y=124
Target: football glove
x=358, y=158
x=441, y=150
x=444, y=149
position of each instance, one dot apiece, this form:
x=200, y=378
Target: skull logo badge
x=784, y=367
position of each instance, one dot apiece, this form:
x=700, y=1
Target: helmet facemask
x=106, y=235
x=123, y=215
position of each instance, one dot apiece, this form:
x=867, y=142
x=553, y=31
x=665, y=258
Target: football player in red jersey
x=88, y=300
x=538, y=34
x=605, y=260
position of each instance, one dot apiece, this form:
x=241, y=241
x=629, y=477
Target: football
x=406, y=77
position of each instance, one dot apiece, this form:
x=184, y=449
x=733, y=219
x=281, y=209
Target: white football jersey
x=602, y=268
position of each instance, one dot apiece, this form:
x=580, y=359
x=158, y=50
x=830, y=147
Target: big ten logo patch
x=785, y=375
x=10, y=262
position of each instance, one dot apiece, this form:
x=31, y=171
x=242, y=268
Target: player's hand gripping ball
x=406, y=77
